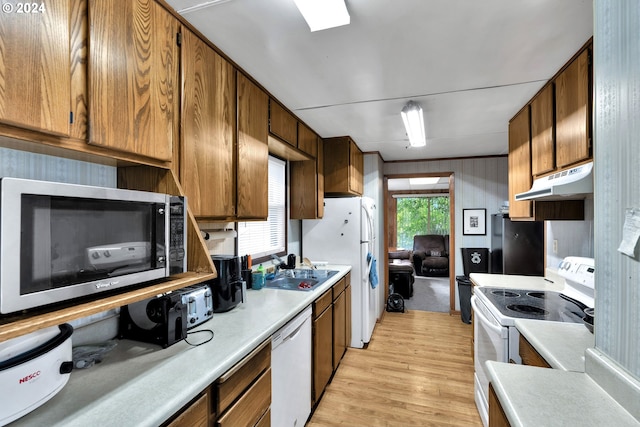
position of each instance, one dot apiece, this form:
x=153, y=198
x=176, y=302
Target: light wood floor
x=417, y=371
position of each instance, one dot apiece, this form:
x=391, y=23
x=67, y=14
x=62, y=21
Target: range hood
x=574, y=183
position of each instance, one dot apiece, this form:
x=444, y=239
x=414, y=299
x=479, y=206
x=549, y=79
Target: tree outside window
x=421, y=215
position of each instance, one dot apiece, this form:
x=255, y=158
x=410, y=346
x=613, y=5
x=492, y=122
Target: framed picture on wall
x=474, y=222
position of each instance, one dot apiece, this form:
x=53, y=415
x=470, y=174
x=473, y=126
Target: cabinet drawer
x=265, y=421
x=338, y=288
x=322, y=303
x=237, y=379
x=248, y=410
x=195, y=415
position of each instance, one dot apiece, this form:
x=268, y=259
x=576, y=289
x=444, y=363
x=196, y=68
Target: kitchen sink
x=299, y=279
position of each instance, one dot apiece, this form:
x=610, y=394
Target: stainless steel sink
x=299, y=279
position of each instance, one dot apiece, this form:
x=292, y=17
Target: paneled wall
x=24, y=164
x=479, y=183
x=617, y=177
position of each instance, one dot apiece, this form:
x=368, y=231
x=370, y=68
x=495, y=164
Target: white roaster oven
x=496, y=309
x=33, y=368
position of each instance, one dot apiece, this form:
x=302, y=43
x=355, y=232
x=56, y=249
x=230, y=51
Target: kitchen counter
x=141, y=384
x=561, y=344
x=553, y=397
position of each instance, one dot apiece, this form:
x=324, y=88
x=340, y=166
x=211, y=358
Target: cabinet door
x=320, y=179
x=35, y=70
x=282, y=124
x=322, y=351
x=207, y=171
x=304, y=190
x=356, y=169
x=543, y=149
x=339, y=329
x=347, y=323
x=133, y=74
x=519, y=164
x=253, y=150
x=307, y=140
x=573, y=112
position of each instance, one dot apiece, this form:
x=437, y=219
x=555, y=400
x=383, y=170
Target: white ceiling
x=471, y=64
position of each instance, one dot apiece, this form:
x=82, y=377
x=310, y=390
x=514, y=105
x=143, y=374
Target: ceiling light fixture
x=323, y=14
x=424, y=181
x=414, y=124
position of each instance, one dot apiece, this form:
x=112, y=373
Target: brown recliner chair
x=431, y=255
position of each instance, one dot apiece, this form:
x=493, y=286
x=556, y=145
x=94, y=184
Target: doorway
x=415, y=204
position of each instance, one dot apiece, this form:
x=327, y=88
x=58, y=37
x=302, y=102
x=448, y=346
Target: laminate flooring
x=416, y=371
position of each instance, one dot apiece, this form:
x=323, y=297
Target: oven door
x=490, y=342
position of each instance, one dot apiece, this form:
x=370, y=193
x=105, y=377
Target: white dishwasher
x=291, y=372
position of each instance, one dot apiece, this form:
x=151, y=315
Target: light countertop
x=532, y=396
x=561, y=344
x=551, y=281
x=142, y=384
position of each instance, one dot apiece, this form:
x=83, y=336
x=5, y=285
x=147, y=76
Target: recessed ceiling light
x=323, y=14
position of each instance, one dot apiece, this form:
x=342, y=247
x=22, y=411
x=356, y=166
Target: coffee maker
x=228, y=289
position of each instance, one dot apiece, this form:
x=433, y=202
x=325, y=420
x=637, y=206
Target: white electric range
x=496, y=309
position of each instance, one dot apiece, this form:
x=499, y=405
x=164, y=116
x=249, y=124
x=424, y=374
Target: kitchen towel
x=373, y=270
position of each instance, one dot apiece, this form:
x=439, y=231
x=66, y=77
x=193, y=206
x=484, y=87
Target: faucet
x=278, y=264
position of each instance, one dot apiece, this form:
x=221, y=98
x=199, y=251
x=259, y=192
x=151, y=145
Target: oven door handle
x=497, y=328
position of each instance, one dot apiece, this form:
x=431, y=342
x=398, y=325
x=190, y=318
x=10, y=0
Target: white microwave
x=64, y=241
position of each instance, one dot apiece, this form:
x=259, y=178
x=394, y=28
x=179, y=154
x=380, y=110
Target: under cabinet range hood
x=567, y=184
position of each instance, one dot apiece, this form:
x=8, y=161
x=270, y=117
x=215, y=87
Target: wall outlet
x=555, y=246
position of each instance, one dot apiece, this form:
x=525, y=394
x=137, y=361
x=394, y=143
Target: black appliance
x=160, y=320
x=517, y=247
x=228, y=288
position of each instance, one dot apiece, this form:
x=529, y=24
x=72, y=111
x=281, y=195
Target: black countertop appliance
x=228, y=288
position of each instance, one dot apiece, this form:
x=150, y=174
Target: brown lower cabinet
x=322, y=344
x=529, y=354
x=241, y=397
x=331, y=333
x=497, y=417
x=195, y=414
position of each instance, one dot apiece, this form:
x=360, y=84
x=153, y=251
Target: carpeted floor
x=429, y=294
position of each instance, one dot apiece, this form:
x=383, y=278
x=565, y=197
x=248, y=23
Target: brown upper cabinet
x=307, y=140
x=543, y=154
x=573, y=111
x=208, y=150
x=282, y=123
x=519, y=164
x=551, y=133
x=307, y=186
x=35, y=59
x=343, y=167
x=253, y=150
x=133, y=77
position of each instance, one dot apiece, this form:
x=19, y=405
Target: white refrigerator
x=346, y=235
